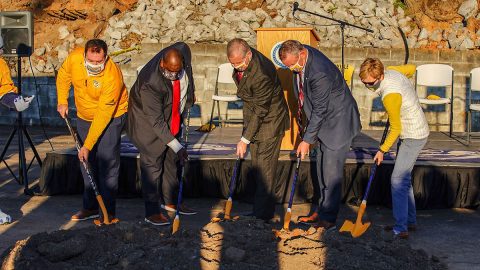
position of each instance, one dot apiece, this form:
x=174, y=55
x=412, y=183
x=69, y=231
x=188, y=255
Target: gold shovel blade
x=176, y=224
x=228, y=208
x=360, y=229
x=347, y=226
x=286, y=220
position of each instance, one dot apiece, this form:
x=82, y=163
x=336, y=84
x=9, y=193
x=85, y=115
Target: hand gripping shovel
x=229, y=202
x=288, y=214
x=176, y=221
x=358, y=228
x=86, y=166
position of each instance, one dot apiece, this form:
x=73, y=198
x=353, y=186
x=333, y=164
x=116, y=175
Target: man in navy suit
x=333, y=121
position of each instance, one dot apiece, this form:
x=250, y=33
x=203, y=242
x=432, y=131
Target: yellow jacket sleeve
x=64, y=81
x=392, y=103
x=408, y=69
x=6, y=83
x=107, y=105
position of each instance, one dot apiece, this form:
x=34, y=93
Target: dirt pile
x=243, y=244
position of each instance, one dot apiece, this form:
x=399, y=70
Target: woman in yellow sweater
x=408, y=123
x=101, y=100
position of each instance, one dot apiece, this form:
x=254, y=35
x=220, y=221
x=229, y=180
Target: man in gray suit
x=333, y=120
x=265, y=119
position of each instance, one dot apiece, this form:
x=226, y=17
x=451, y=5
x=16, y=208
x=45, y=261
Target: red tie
x=300, y=102
x=239, y=75
x=175, y=120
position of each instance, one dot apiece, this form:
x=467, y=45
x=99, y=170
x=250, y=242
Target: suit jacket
x=265, y=112
x=150, y=104
x=330, y=108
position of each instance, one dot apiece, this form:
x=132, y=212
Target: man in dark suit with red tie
x=163, y=91
x=265, y=119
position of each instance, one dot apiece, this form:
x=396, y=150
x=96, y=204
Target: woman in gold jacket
x=101, y=100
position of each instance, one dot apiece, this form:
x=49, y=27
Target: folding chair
x=436, y=75
x=224, y=76
x=472, y=107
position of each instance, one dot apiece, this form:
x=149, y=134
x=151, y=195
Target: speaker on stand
x=16, y=28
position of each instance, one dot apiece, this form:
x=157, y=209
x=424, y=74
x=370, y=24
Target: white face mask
x=94, y=70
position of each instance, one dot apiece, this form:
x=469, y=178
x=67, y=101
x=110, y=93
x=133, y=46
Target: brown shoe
x=401, y=235
x=157, y=220
x=410, y=227
x=85, y=214
x=184, y=210
x=327, y=226
x=309, y=220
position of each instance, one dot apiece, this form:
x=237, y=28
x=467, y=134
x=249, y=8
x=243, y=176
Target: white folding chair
x=224, y=76
x=436, y=75
x=472, y=107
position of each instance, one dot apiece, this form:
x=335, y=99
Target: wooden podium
x=268, y=40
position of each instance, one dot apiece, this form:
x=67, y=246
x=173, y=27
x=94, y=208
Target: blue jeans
x=403, y=200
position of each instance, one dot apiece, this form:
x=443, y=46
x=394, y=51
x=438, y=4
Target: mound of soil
x=242, y=244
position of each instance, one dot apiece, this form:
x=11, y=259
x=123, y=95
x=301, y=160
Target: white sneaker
x=21, y=103
x=4, y=218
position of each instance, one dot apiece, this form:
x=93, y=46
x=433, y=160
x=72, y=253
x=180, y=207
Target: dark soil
x=242, y=244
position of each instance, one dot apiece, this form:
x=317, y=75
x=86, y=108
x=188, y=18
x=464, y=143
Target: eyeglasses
x=370, y=83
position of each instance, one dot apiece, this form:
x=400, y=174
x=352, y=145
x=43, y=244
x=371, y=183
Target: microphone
x=295, y=8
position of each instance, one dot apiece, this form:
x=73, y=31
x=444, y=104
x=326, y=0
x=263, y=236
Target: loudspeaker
x=16, y=28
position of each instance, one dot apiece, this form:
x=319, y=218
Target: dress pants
x=264, y=163
x=330, y=165
x=104, y=161
x=159, y=176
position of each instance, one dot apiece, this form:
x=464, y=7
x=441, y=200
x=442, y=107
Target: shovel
x=229, y=202
x=288, y=213
x=358, y=228
x=86, y=166
x=176, y=221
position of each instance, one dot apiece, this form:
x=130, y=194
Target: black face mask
x=170, y=75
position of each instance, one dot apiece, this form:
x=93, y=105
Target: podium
x=268, y=43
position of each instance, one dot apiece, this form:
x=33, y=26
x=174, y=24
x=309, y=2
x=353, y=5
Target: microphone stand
x=341, y=23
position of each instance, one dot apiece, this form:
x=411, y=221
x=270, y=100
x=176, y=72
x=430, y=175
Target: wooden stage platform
x=447, y=173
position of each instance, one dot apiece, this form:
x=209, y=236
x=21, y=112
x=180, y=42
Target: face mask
x=374, y=86
x=297, y=68
x=170, y=75
x=242, y=66
x=94, y=70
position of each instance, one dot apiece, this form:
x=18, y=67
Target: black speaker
x=16, y=28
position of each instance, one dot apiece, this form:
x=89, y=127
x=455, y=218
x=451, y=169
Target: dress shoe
x=157, y=220
x=400, y=235
x=184, y=210
x=309, y=220
x=85, y=214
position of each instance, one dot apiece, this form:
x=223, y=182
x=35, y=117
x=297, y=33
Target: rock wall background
x=437, y=32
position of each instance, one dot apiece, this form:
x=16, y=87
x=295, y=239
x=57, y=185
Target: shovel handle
x=374, y=167
x=233, y=178
x=294, y=183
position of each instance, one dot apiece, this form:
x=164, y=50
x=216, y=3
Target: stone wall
x=206, y=58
